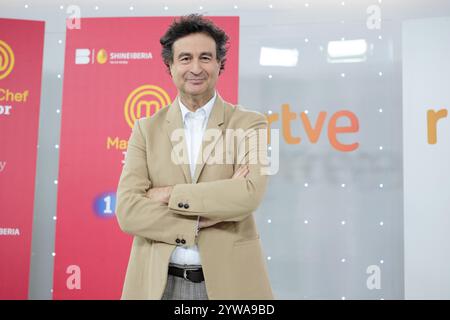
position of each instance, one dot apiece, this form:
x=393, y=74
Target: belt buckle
x=185, y=274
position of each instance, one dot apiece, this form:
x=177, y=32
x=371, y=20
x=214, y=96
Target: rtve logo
x=433, y=117
x=144, y=102
x=83, y=56
x=6, y=59
x=313, y=131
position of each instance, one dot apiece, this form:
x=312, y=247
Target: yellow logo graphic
x=146, y=98
x=6, y=59
x=102, y=56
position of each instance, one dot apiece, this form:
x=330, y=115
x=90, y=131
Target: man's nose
x=196, y=67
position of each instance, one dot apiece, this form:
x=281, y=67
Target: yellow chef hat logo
x=102, y=56
x=144, y=102
x=6, y=59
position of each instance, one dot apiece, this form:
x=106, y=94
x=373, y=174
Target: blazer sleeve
x=229, y=199
x=137, y=214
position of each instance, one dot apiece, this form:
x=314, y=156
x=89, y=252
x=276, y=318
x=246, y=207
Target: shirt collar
x=207, y=107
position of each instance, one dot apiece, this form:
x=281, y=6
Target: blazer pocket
x=246, y=242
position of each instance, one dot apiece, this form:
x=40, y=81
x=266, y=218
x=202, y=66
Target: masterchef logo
x=144, y=101
x=6, y=59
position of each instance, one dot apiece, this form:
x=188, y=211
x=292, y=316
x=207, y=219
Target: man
x=194, y=232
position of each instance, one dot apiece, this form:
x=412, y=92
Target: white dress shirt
x=194, y=128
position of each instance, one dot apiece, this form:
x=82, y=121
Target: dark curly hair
x=193, y=23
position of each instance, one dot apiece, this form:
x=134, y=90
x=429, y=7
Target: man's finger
x=239, y=173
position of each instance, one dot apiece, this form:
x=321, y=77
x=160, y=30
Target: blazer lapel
x=175, y=122
x=215, y=121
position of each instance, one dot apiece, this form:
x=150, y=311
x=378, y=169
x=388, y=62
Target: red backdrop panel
x=113, y=74
x=21, y=49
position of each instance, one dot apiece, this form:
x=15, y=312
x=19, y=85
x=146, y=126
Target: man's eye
x=184, y=59
x=206, y=58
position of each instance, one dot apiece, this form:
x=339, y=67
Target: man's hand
x=161, y=194
x=242, y=172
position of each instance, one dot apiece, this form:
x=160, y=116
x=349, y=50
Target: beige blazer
x=231, y=254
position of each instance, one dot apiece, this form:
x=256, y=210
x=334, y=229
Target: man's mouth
x=196, y=81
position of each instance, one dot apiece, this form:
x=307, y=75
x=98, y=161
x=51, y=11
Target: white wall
x=426, y=85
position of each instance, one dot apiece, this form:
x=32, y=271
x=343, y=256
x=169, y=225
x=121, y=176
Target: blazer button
x=180, y=205
x=183, y=241
x=186, y=206
x=177, y=241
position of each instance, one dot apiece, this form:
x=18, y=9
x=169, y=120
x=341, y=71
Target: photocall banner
x=21, y=50
x=113, y=75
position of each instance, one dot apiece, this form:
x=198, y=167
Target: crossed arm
x=162, y=194
x=153, y=213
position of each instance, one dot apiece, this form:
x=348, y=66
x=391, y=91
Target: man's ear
x=170, y=69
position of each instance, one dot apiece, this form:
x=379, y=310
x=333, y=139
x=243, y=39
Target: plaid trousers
x=181, y=289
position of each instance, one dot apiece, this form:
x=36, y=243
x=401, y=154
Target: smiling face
x=195, y=68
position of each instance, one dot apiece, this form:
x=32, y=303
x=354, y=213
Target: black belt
x=194, y=275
